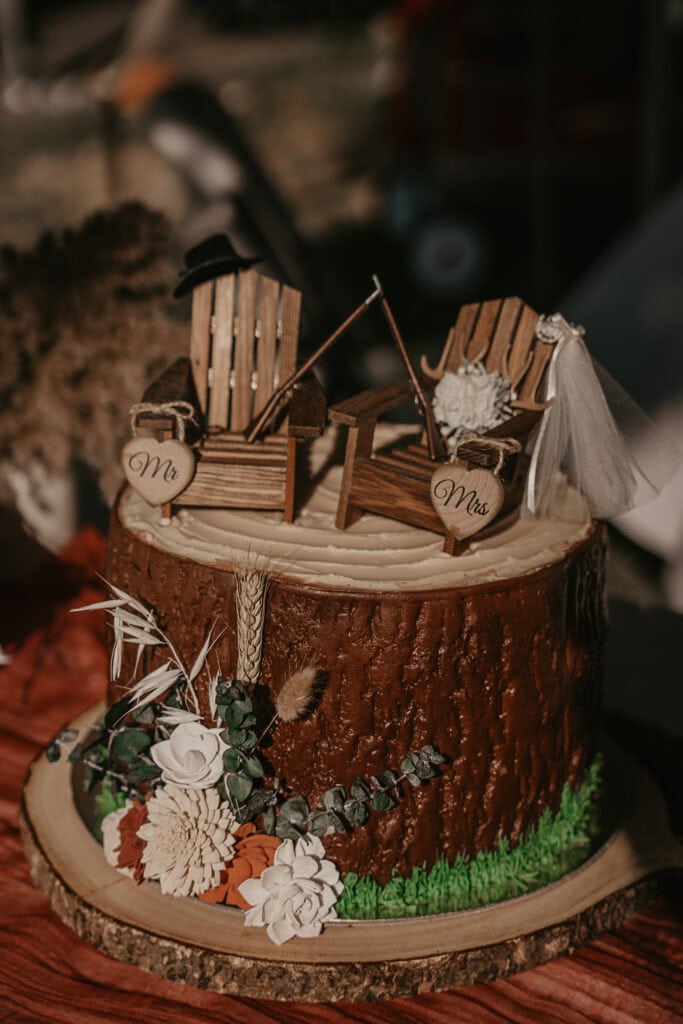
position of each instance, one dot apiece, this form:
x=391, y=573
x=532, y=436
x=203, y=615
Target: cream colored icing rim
x=374, y=554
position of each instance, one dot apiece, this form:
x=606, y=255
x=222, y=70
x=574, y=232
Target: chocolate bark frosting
x=499, y=669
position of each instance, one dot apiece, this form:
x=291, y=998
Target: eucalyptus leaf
x=337, y=821
x=117, y=712
x=232, y=760
x=414, y=780
x=76, y=753
x=284, y=830
x=239, y=785
x=356, y=812
x=360, y=789
x=253, y=767
x=53, y=753
x=381, y=801
x=387, y=779
x=67, y=736
x=142, y=772
x=319, y=823
x=250, y=740
x=260, y=800
x=233, y=716
x=236, y=737
x=269, y=821
x=333, y=799
x=295, y=810
x=129, y=743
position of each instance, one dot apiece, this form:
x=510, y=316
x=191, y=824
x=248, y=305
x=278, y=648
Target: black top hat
x=211, y=258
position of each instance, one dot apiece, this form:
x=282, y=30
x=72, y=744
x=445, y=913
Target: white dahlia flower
x=192, y=757
x=295, y=896
x=189, y=837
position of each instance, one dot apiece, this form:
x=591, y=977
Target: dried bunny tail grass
x=250, y=595
x=296, y=695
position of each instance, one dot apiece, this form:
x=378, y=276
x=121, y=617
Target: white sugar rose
x=295, y=896
x=192, y=757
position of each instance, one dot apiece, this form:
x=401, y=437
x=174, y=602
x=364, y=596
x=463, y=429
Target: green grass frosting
x=558, y=844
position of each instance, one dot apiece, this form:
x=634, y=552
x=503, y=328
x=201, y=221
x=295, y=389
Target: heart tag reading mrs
x=158, y=470
x=466, y=500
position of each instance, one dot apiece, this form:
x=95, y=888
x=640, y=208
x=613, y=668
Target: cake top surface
x=374, y=554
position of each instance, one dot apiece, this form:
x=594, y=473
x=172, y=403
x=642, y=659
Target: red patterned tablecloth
x=47, y=973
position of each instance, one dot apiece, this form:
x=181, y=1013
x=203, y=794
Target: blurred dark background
x=462, y=150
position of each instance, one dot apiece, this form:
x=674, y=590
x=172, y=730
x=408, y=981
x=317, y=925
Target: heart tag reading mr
x=157, y=470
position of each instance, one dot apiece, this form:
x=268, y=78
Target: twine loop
x=181, y=412
x=503, y=445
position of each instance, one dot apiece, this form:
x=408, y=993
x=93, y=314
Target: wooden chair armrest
x=307, y=408
x=368, y=405
x=174, y=385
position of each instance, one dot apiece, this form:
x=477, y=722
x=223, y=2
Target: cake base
x=209, y=947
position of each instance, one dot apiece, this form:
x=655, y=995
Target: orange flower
x=253, y=854
x=130, y=844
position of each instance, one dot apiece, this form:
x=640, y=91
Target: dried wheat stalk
x=251, y=587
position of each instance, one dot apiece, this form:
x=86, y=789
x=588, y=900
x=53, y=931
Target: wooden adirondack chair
x=395, y=480
x=244, y=341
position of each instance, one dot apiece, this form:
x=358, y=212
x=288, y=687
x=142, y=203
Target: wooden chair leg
x=290, y=480
x=358, y=444
x=167, y=507
x=453, y=546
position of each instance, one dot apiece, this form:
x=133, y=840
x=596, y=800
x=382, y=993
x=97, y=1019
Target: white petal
x=280, y=931
x=285, y=852
x=327, y=872
x=253, y=892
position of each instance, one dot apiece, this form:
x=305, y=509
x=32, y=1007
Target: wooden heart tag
x=158, y=470
x=466, y=500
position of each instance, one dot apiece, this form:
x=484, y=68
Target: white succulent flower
x=189, y=839
x=471, y=399
x=192, y=757
x=111, y=837
x=295, y=896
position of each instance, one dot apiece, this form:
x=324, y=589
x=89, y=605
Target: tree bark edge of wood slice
x=280, y=974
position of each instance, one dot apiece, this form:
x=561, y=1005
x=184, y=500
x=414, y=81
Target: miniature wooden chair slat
x=395, y=480
x=202, y=302
x=484, y=330
x=221, y=353
x=518, y=358
x=244, y=351
x=503, y=335
x=269, y=301
x=244, y=338
x=291, y=315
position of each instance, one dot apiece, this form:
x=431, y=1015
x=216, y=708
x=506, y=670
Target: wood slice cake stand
x=209, y=947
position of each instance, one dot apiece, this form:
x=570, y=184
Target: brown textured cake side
x=502, y=677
